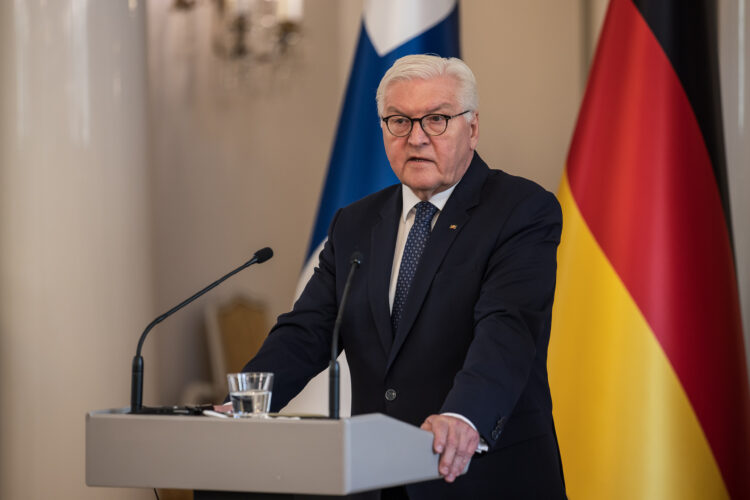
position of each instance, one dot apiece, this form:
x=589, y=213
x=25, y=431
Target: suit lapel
x=382, y=243
x=449, y=224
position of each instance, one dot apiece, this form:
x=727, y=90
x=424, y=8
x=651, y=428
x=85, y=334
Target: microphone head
x=263, y=255
x=356, y=258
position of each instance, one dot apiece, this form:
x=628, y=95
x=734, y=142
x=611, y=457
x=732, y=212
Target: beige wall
x=527, y=57
x=236, y=168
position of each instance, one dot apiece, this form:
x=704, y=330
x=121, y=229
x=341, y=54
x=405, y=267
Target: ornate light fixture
x=252, y=30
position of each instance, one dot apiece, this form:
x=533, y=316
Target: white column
x=75, y=287
x=734, y=59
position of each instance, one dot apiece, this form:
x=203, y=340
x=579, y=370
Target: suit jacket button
x=390, y=394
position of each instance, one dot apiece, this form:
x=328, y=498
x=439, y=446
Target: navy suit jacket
x=473, y=336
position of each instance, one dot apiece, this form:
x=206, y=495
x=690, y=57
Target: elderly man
x=448, y=320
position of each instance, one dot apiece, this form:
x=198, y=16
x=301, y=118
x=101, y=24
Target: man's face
x=429, y=164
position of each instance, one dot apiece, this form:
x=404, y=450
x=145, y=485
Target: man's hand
x=456, y=442
x=223, y=408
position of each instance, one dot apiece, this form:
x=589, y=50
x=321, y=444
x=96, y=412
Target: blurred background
x=147, y=148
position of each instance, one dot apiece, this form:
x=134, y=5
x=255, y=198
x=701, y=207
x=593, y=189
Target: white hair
x=425, y=67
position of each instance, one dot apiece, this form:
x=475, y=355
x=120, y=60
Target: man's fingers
x=449, y=453
x=464, y=452
x=455, y=440
x=461, y=455
x=440, y=431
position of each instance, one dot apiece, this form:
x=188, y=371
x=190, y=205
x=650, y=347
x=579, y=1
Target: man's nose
x=417, y=136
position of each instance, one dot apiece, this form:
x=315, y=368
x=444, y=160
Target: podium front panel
x=312, y=456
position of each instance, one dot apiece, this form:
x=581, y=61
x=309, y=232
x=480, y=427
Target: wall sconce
x=252, y=30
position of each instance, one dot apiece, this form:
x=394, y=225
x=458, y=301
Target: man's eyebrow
x=391, y=110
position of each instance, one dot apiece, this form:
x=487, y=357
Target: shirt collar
x=410, y=199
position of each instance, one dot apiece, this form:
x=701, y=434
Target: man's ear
x=474, y=130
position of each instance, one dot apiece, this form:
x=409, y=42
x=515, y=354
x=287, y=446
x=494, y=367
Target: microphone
x=333, y=367
x=136, y=388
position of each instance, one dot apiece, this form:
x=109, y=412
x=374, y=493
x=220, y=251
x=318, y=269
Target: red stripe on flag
x=642, y=177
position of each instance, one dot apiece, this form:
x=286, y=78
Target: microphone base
x=334, y=396
x=172, y=410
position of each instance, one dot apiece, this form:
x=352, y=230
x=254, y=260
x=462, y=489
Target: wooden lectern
x=274, y=455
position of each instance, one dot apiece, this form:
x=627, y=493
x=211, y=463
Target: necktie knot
x=425, y=212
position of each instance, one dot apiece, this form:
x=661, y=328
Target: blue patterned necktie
x=415, y=245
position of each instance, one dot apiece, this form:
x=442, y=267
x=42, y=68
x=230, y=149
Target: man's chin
x=418, y=182
x=422, y=188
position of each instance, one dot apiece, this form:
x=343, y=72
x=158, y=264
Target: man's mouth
x=419, y=159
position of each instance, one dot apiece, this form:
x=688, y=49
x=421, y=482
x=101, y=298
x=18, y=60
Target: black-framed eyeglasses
x=432, y=124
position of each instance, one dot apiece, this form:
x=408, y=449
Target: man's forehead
x=432, y=94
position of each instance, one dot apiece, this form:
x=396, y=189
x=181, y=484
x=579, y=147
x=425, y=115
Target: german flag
x=646, y=360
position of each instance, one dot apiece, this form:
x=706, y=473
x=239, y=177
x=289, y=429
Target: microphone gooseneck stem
x=189, y=300
x=333, y=367
x=136, y=387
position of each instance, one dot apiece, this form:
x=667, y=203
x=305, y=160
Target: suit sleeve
x=298, y=347
x=512, y=318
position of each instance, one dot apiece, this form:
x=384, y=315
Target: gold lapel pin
x=452, y=226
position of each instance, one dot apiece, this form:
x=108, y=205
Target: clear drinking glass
x=250, y=393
